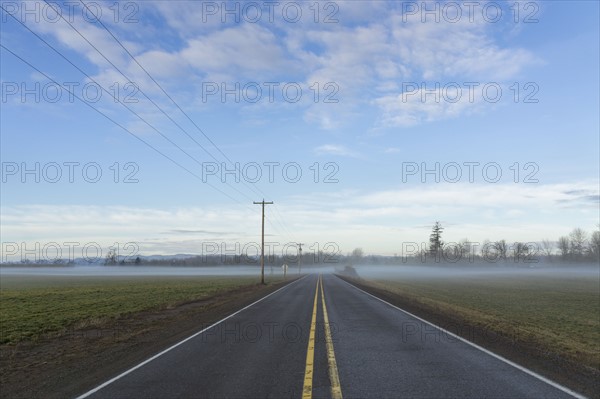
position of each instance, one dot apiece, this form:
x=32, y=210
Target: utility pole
x=262, y=246
x=300, y=244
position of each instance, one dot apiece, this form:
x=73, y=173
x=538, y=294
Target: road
x=279, y=347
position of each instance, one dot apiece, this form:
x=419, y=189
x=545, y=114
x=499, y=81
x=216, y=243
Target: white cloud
x=339, y=150
x=244, y=50
x=425, y=104
x=372, y=62
x=368, y=55
x=376, y=221
x=440, y=51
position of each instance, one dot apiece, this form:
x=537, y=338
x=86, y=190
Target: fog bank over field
x=445, y=270
x=130, y=271
x=369, y=271
x=159, y=270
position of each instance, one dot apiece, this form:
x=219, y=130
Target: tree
x=487, y=250
x=564, y=246
x=466, y=248
x=547, y=247
x=501, y=249
x=357, y=254
x=578, y=239
x=520, y=251
x=111, y=258
x=435, y=239
x=593, y=249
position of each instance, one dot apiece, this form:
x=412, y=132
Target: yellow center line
x=336, y=389
x=310, y=352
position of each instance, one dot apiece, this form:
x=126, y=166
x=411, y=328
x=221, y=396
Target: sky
x=155, y=125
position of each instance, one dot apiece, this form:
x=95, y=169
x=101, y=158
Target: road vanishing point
x=321, y=337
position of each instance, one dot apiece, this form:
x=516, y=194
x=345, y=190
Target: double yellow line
x=334, y=379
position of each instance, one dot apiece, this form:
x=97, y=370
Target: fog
x=232, y=270
x=416, y=271
x=371, y=271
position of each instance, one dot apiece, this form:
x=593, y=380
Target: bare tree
x=357, y=254
x=484, y=245
x=547, y=247
x=487, y=249
x=593, y=249
x=578, y=239
x=111, y=257
x=464, y=247
x=520, y=251
x=564, y=246
x=452, y=251
x=501, y=249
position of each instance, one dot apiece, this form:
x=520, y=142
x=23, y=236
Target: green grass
x=32, y=306
x=561, y=314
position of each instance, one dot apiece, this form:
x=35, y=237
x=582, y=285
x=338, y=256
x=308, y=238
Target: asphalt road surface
x=292, y=344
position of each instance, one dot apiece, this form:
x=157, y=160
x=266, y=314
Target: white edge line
x=505, y=360
x=123, y=374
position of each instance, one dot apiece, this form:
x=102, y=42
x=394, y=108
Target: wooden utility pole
x=262, y=245
x=300, y=244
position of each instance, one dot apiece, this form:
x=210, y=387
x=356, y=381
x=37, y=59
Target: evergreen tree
x=435, y=239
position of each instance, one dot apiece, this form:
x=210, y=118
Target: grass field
x=560, y=313
x=32, y=306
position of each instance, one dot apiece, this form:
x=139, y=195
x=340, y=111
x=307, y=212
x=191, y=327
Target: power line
x=103, y=89
x=274, y=222
x=121, y=103
x=144, y=93
x=113, y=121
x=254, y=188
x=155, y=82
x=284, y=225
x=130, y=80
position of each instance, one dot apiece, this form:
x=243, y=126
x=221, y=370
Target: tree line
x=577, y=246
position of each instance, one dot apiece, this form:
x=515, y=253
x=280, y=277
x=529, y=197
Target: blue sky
x=368, y=123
